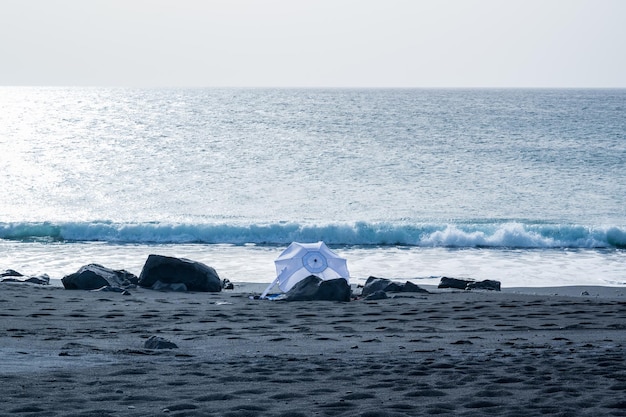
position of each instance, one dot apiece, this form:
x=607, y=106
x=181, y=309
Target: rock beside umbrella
x=167, y=271
x=313, y=288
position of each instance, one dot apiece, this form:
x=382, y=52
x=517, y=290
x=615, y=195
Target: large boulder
x=374, y=284
x=313, y=288
x=196, y=276
x=94, y=276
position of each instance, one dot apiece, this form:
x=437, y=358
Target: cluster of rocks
x=159, y=272
x=469, y=284
x=377, y=288
x=11, y=275
x=313, y=288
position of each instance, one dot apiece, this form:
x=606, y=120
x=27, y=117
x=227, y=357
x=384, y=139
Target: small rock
x=488, y=284
x=10, y=273
x=410, y=287
x=39, y=280
x=469, y=284
x=456, y=283
x=374, y=284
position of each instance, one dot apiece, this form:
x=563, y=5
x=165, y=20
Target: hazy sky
x=314, y=43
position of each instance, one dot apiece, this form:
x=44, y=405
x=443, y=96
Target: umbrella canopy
x=300, y=260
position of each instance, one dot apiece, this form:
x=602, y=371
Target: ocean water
x=524, y=186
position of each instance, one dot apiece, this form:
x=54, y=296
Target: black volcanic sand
x=79, y=353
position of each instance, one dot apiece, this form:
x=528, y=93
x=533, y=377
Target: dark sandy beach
x=80, y=353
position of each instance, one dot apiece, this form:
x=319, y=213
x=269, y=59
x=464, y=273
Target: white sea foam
x=493, y=235
x=254, y=263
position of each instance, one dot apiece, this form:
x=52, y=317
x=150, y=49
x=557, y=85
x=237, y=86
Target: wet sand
x=521, y=352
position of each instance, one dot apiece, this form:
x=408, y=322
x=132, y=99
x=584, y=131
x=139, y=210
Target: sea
x=524, y=186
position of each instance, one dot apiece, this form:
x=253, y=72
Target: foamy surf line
x=487, y=234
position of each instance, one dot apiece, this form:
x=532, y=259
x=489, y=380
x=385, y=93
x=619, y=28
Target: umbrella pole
x=264, y=295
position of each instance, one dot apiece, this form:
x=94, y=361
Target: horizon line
x=320, y=87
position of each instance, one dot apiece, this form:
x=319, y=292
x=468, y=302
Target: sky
x=314, y=43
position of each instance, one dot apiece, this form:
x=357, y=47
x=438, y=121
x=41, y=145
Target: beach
x=218, y=135
x=519, y=352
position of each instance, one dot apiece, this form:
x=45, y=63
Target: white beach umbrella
x=300, y=260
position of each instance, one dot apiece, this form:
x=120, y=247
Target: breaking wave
x=495, y=234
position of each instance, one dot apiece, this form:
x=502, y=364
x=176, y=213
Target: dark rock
x=156, y=342
x=313, y=288
x=469, y=284
x=374, y=284
x=410, y=287
x=377, y=295
x=43, y=279
x=39, y=280
x=490, y=285
x=168, y=270
x=460, y=284
x=394, y=287
x=10, y=273
x=227, y=285
x=94, y=276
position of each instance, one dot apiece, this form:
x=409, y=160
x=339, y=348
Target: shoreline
x=450, y=352
x=513, y=268
x=593, y=291
x=602, y=291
